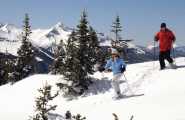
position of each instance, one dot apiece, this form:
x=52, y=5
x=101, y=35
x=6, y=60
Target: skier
x=118, y=66
x=166, y=39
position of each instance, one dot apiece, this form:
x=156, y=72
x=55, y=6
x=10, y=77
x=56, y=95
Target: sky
x=140, y=19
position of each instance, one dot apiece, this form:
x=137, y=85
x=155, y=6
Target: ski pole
x=128, y=86
x=154, y=56
x=173, y=52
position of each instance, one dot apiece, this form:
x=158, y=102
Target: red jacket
x=166, y=39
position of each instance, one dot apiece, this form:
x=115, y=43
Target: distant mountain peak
x=8, y=27
x=1, y=25
x=60, y=25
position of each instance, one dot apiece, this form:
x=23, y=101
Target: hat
x=114, y=51
x=163, y=25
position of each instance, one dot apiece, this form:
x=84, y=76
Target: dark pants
x=164, y=55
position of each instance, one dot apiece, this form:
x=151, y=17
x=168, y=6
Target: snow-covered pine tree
x=116, y=28
x=116, y=43
x=9, y=69
x=83, y=37
x=71, y=67
x=26, y=52
x=42, y=103
x=58, y=62
x=7, y=66
x=80, y=57
x=93, y=45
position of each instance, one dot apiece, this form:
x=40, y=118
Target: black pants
x=164, y=55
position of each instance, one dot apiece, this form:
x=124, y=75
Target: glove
x=123, y=69
x=109, y=70
x=101, y=69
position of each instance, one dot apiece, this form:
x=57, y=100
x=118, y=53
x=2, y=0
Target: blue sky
x=140, y=19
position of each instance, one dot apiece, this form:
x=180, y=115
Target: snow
x=38, y=59
x=154, y=95
x=10, y=47
x=45, y=38
x=105, y=43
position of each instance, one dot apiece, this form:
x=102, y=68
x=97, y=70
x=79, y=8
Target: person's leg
x=161, y=60
x=168, y=57
x=115, y=84
x=170, y=60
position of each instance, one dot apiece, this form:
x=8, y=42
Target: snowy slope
x=154, y=95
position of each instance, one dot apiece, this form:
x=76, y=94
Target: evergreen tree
x=80, y=57
x=58, y=62
x=86, y=59
x=2, y=71
x=83, y=38
x=116, y=28
x=71, y=67
x=7, y=66
x=42, y=103
x=93, y=45
x=26, y=53
x=116, y=43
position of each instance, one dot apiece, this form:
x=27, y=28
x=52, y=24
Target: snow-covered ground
x=154, y=95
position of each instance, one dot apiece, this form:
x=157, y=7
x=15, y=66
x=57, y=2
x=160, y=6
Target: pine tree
x=58, y=62
x=26, y=53
x=42, y=103
x=85, y=58
x=116, y=28
x=71, y=67
x=7, y=66
x=93, y=45
x=2, y=71
x=80, y=57
x=121, y=47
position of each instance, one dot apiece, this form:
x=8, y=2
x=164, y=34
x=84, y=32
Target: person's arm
x=173, y=37
x=108, y=65
x=156, y=37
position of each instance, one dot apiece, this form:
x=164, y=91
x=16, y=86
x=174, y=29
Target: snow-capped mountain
x=9, y=32
x=47, y=37
x=44, y=38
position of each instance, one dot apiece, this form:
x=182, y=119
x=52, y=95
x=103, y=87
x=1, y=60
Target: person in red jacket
x=166, y=39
